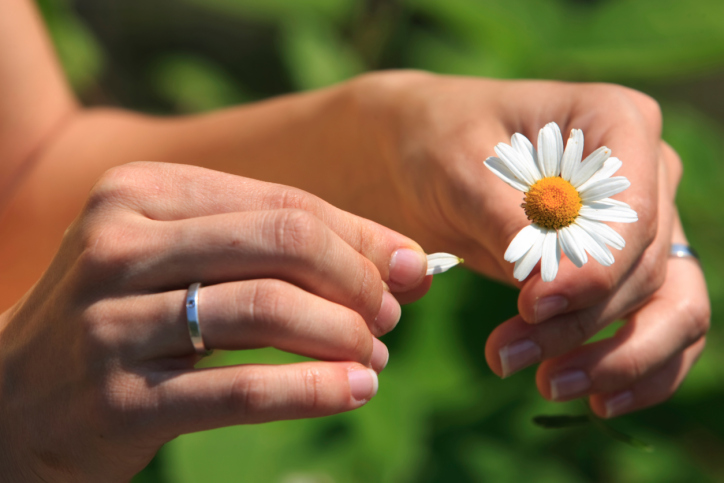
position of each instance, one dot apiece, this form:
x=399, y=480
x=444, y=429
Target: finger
x=246, y=315
x=653, y=390
x=291, y=245
x=575, y=288
x=169, y=192
x=516, y=344
x=196, y=400
x=676, y=317
x=416, y=293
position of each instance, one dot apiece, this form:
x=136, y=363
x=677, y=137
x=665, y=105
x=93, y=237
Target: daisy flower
x=566, y=200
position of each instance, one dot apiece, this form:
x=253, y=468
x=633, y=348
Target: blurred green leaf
x=560, y=421
x=195, y=84
x=79, y=53
x=315, y=55
x=279, y=10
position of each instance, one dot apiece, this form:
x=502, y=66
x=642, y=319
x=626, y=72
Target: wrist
x=378, y=104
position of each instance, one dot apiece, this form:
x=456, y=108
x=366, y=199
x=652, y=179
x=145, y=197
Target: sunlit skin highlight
x=552, y=203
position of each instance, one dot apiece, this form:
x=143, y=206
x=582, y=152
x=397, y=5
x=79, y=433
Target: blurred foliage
x=441, y=415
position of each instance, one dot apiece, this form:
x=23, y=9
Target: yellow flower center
x=552, y=203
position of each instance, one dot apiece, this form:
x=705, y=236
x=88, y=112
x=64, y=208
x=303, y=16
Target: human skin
x=96, y=361
x=404, y=149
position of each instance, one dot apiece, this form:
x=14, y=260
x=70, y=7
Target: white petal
x=525, y=265
x=596, y=249
x=501, y=171
x=590, y=165
x=605, y=188
x=559, y=143
x=572, y=155
x=526, y=151
x=551, y=257
x=522, y=242
x=598, y=212
x=441, y=262
x=610, y=202
x=549, y=154
x=516, y=163
x=573, y=250
x=602, y=233
x=608, y=169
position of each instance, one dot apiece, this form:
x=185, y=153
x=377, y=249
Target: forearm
x=312, y=141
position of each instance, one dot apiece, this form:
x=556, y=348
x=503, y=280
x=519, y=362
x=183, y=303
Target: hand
x=432, y=135
x=96, y=360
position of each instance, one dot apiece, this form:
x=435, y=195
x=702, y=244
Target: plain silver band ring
x=679, y=250
x=192, y=318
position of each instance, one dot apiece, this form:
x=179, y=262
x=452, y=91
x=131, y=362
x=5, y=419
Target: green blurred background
x=440, y=415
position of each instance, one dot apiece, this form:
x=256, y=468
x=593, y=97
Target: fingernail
x=619, y=403
x=569, y=384
x=389, y=315
x=547, y=307
x=518, y=355
x=407, y=268
x=380, y=355
x=363, y=384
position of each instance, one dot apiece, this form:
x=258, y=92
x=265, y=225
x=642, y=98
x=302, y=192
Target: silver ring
x=679, y=250
x=192, y=318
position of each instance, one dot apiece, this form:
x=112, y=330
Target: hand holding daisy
x=429, y=135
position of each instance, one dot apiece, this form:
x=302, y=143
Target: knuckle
x=699, y=317
x=632, y=367
x=122, y=406
x=358, y=339
x=269, y=302
x=368, y=289
x=96, y=324
x=655, y=271
x=630, y=103
x=603, y=282
x=247, y=394
x=673, y=163
x=107, y=249
x=648, y=106
x=115, y=186
x=295, y=199
x=298, y=233
x=648, y=223
x=312, y=384
x=581, y=327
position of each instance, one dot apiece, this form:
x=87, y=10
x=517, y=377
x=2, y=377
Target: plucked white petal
x=604, y=188
x=572, y=155
x=549, y=154
x=527, y=262
x=573, y=250
x=526, y=151
x=516, y=163
x=550, y=257
x=441, y=262
x=522, y=242
x=501, y=171
x=594, y=248
x=602, y=233
x=608, y=169
x=589, y=166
